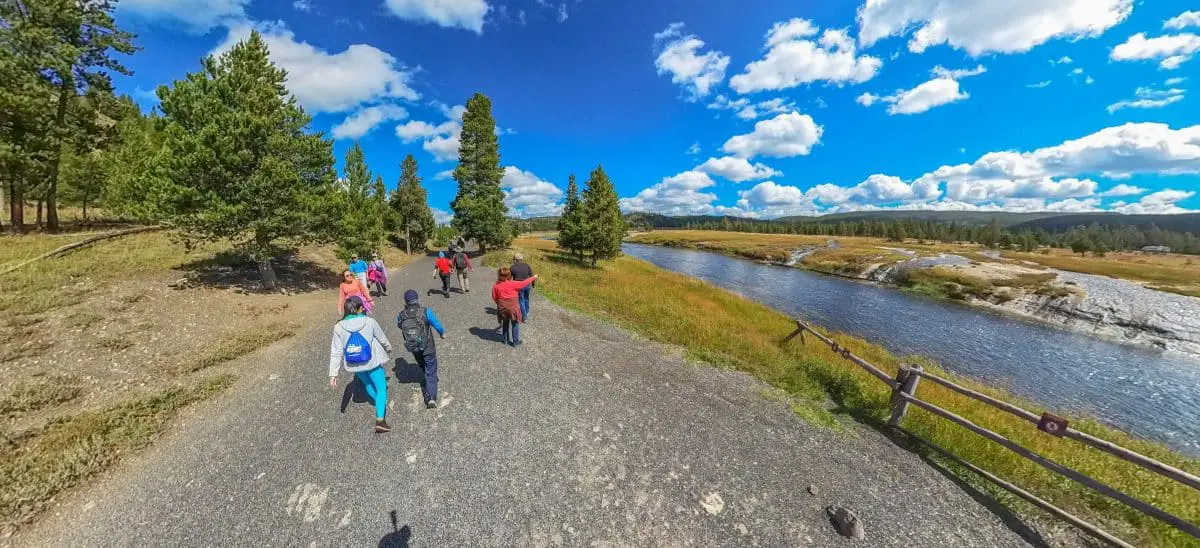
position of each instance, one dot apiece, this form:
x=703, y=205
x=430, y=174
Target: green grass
x=711, y=323
x=240, y=344
x=37, y=465
x=38, y=394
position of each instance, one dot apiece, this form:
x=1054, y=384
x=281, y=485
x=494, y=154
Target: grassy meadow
x=827, y=390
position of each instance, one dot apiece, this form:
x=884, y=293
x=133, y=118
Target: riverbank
x=721, y=328
x=1121, y=297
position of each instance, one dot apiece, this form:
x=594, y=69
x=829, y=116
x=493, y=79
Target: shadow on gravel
x=488, y=334
x=407, y=373
x=233, y=271
x=355, y=392
x=399, y=537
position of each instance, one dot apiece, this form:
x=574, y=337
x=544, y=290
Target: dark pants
x=445, y=283
x=523, y=299
x=428, y=362
x=514, y=327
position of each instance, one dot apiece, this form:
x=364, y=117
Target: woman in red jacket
x=508, y=309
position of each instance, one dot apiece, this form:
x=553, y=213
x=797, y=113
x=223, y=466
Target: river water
x=1142, y=391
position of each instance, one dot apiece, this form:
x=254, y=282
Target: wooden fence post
x=906, y=382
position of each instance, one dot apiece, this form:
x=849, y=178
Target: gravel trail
x=583, y=436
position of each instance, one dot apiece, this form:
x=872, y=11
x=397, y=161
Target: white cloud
x=987, y=26
x=788, y=134
x=196, y=16
x=466, y=14
x=1077, y=71
x=769, y=199
x=1037, y=85
x=794, y=58
x=1183, y=20
x=1123, y=190
x=694, y=149
x=366, y=119
x=679, y=194
x=1089, y=80
x=329, y=82
x=528, y=196
x=1170, y=50
x=302, y=5
x=444, y=175
x=1064, y=60
x=1174, y=81
x=1163, y=201
x=441, y=140
x=441, y=216
x=942, y=89
x=1149, y=98
x=678, y=56
x=747, y=110
x=736, y=169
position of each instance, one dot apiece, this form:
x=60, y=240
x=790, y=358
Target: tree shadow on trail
x=228, y=270
x=568, y=260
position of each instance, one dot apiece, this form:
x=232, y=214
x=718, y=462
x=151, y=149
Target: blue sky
x=756, y=108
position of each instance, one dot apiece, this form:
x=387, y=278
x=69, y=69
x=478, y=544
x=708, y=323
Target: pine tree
x=360, y=207
x=603, y=227
x=236, y=163
x=479, y=210
x=410, y=202
x=570, y=224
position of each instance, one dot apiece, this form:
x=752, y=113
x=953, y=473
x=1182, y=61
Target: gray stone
x=812, y=490
x=846, y=522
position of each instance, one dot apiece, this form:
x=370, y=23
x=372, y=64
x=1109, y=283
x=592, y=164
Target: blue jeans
x=428, y=363
x=523, y=300
x=375, y=382
x=515, y=328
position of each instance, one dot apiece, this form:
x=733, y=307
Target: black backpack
x=460, y=260
x=415, y=329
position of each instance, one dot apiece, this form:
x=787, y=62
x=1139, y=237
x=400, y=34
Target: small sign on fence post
x=1052, y=424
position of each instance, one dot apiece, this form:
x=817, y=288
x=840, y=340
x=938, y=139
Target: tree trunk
x=593, y=258
x=482, y=247
x=60, y=119
x=38, y=220
x=85, y=204
x=407, y=241
x=16, y=207
x=267, y=271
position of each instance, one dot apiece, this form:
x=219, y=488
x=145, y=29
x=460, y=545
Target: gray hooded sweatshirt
x=370, y=330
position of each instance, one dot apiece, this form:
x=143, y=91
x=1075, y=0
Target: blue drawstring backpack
x=357, y=350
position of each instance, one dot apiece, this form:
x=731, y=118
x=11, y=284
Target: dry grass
x=39, y=464
x=240, y=344
x=731, y=331
x=40, y=393
x=1175, y=273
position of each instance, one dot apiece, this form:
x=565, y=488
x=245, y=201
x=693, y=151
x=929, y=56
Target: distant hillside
x=1187, y=222
x=965, y=217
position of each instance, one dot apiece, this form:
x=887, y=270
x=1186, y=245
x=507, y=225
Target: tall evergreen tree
x=236, y=162
x=479, y=210
x=603, y=226
x=410, y=202
x=570, y=224
x=360, y=207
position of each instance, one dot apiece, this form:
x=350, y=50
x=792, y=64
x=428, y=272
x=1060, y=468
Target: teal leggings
x=376, y=382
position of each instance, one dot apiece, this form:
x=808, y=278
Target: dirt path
x=582, y=436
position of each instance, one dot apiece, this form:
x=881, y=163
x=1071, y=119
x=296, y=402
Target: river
x=1145, y=392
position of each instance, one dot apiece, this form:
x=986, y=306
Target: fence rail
x=904, y=387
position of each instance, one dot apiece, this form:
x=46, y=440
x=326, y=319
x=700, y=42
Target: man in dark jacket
x=521, y=271
x=417, y=324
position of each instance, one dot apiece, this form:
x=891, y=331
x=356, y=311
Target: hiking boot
x=381, y=426
x=431, y=404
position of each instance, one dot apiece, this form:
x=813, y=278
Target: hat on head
x=518, y=257
x=374, y=254
x=441, y=255
x=410, y=296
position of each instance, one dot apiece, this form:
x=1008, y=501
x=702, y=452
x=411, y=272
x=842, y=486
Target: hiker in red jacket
x=508, y=310
x=441, y=268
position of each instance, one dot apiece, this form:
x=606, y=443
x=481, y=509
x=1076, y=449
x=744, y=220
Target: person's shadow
x=355, y=391
x=408, y=373
x=488, y=334
x=398, y=538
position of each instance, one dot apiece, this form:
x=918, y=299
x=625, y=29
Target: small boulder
x=812, y=490
x=846, y=522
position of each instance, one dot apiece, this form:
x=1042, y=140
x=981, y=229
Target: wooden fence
x=904, y=393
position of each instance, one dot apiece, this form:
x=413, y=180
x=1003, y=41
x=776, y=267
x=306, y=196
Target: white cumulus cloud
x=1183, y=20
x=439, y=140
x=465, y=14
x=529, y=196
x=441, y=216
x=745, y=109
x=1149, y=98
x=329, y=82
x=366, y=119
x=1161, y=202
x=788, y=134
x=679, y=55
x=737, y=169
x=795, y=56
x=987, y=26
x=1170, y=50
x=1123, y=190
x=680, y=194
x=941, y=90
x=195, y=16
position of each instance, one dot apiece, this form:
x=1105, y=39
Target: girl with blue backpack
x=360, y=346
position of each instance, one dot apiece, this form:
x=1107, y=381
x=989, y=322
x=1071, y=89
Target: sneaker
x=431, y=404
x=447, y=294
x=381, y=426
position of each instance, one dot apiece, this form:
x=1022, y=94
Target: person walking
x=508, y=310
x=360, y=346
x=415, y=323
x=359, y=268
x=381, y=273
x=441, y=268
x=352, y=287
x=521, y=271
x=462, y=264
